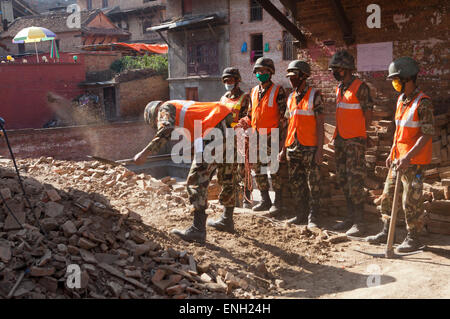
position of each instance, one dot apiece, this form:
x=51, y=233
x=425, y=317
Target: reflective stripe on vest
x=183, y=111
x=350, y=120
x=409, y=121
x=208, y=114
x=408, y=131
x=264, y=112
x=302, y=121
x=234, y=105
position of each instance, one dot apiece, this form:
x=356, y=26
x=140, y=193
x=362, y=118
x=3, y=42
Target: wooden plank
x=440, y=218
x=436, y=227
x=441, y=207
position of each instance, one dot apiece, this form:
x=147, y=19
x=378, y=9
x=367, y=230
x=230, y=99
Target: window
x=89, y=4
x=104, y=3
x=186, y=7
x=146, y=23
x=256, y=11
x=257, y=47
x=192, y=94
x=288, y=46
x=21, y=48
x=202, y=58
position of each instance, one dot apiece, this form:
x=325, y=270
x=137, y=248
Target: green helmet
x=231, y=72
x=264, y=63
x=404, y=67
x=150, y=112
x=342, y=59
x=299, y=66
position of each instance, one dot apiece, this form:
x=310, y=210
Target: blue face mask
x=229, y=87
x=262, y=77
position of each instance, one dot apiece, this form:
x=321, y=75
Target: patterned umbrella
x=34, y=34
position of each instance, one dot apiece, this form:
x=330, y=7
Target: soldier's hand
x=403, y=163
x=282, y=156
x=388, y=162
x=243, y=123
x=318, y=158
x=140, y=158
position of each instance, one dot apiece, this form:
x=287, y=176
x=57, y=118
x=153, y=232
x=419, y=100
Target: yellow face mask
x=397, y=85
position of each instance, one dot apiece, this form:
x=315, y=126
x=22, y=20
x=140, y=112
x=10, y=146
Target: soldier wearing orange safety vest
x=353, y=117
x=268, y=105
x=165, y=118
x=411, y=152
x=303, y=147
x=238, y=102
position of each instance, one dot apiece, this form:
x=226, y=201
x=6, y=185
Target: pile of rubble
x=436, y=177
x=118, y=256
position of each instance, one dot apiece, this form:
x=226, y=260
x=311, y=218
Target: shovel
x=389, y=252
x=128, y=161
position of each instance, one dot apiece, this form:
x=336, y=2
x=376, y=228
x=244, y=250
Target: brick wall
x=113, y=141
x=241, y=30
x=100, y=61
x=417, y=28
x=134, y=95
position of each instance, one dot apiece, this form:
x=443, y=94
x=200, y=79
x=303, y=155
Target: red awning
x=136, y=48
x=155, y=48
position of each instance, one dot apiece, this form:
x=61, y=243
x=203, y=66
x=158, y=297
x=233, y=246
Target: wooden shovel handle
x=395, y=202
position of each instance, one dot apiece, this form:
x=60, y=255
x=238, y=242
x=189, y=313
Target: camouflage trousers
x=304, y=177
x=262, y=180
x=412, y=197
x=201, y=173
x=351, y=167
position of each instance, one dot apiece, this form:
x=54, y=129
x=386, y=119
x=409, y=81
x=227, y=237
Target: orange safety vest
x=265, y=112
x=407, y=132
x=234, y=105
x=350, y=119
x=208, y=113
x=302, y=120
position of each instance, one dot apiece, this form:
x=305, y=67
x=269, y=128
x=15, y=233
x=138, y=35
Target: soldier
x=304, y=143
x=238, y=102
x=411, y=152
x=165, y=117
x=353, y=116
x=267, y=113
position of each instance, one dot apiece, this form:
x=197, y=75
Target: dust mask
x=397, y=84
x=229, y=87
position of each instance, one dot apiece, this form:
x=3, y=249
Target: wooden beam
x=283, y=20
x=343, y=21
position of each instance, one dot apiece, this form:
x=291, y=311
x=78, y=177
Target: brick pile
x=118, y=255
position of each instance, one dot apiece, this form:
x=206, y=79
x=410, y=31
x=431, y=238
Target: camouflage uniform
x=261, y=179
x=412, y=178
x=241, y=183
x=304, y=173
x=200, y=174
x=350, y=153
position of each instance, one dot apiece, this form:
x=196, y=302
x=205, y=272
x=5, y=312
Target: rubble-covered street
x=116, y=226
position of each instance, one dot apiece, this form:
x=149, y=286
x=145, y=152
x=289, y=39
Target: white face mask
x=229, y=87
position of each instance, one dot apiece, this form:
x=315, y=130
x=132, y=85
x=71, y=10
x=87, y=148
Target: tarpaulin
x=155, y=48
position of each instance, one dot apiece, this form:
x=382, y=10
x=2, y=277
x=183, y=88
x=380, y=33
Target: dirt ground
x=284, y=261
x=311, y=268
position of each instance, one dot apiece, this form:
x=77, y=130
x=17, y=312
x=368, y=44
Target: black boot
x=225, y=222
x=265, y=202
x=276, y=208
x=246, y=202
x=381, y=237
x=411, y=243
x=301, y=216
x=312, y=218
x=348, y=221
x=197, y=231
x=358, y=227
